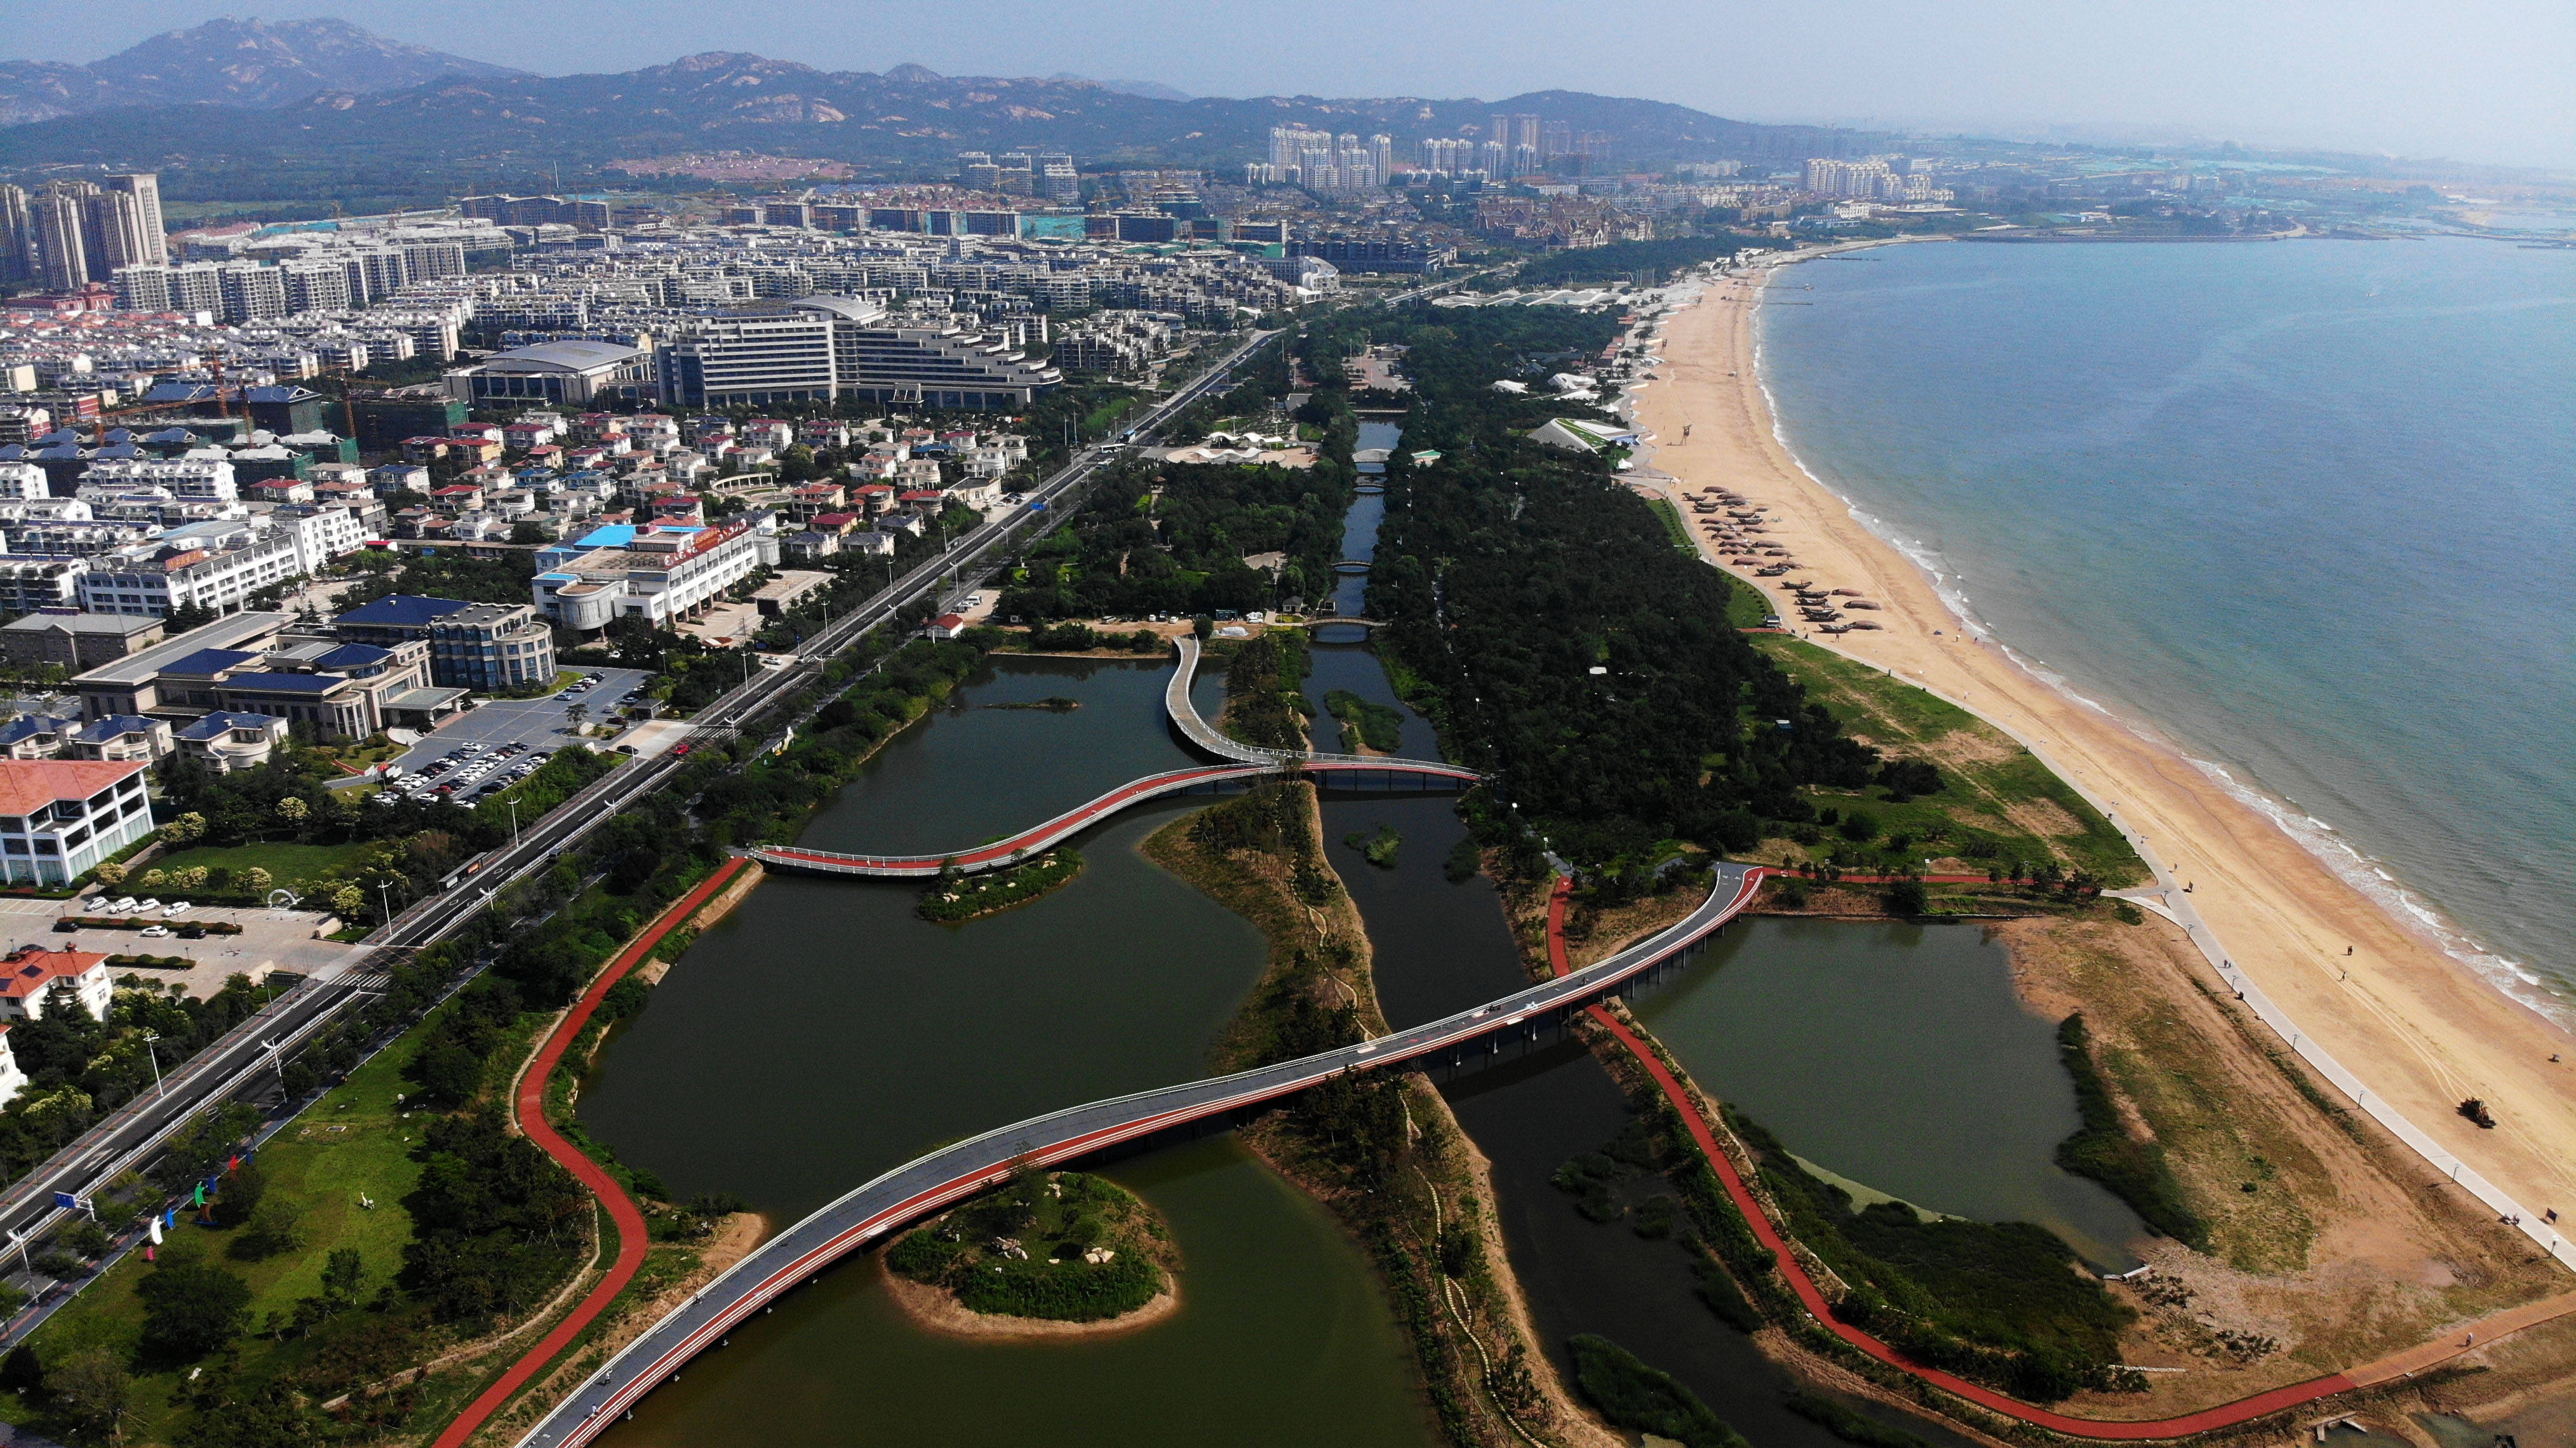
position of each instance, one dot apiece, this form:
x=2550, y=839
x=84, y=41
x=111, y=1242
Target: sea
x=2304, y=510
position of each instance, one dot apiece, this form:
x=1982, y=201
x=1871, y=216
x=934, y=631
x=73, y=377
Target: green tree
x=186, y=827
x=191, y=1307
x=92, y=1389
x=343, y=1275
x=22, y=1372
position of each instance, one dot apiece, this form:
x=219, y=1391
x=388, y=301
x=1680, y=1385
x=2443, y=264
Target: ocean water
x=2305, y=510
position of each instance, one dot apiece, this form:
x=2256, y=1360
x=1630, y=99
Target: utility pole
x=149, y=1037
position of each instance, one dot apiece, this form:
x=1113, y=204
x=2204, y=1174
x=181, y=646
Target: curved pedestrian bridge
x=1003, y=853
x=1245, y=765
x=1499, y=1030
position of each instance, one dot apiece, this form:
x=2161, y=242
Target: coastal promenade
x=1245, y=765
x=1497, y=1030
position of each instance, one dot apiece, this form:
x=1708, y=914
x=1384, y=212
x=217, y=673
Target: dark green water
x=1282, y=1341
x=1896, y=1055
x=822, y=1035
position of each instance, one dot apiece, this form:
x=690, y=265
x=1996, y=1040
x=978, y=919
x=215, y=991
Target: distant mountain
x=457, y=133
x=1150, y=89
x=229, y=62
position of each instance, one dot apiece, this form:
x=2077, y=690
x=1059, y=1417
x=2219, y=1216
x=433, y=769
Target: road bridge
x=1499, y=1030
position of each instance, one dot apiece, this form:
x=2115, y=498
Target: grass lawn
x=1745, y=605
x=1674, y=527
x=1996, y=793
x=285, y=863
x=350, y=1143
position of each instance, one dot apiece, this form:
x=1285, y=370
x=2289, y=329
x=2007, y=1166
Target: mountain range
x=322, y=108
x=228, y=62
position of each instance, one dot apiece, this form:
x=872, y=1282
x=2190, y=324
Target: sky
x=2472, y=80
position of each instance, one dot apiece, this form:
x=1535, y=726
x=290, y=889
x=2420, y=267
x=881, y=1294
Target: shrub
x=1632, y=1395
x=1858, y=828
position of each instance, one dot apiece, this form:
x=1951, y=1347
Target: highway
x=234, y=1066
x=924, y=1186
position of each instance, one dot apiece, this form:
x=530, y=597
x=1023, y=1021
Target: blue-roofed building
x=491, y=647
x=396, y=618
x=36, y=736
x=122, y=739
x=225, y=740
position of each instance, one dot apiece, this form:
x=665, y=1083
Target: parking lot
x=270, y=940
x=531, y=724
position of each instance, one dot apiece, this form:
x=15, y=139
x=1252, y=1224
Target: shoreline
x=2367, y=875
x=2427, y=1029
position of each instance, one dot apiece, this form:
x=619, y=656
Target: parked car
x=177, y=909
x=147, y=906
x=155, y=931
x=118, y=906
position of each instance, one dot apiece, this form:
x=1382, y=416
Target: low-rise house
x=120, y=738
x=225, y=740
x=37, y=736
x=30, y=973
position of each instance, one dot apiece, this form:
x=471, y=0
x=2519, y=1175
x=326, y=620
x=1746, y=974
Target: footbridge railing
x=924, y=1186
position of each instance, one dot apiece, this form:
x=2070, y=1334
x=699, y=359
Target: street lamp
x=150, y=1036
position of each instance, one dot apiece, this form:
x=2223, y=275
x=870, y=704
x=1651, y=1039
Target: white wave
x=2368, y=876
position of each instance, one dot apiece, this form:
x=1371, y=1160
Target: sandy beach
x=2418, y=1027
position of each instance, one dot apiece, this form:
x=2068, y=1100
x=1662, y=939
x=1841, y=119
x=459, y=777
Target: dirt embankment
x=1473, y=1329
x=2330, y=1244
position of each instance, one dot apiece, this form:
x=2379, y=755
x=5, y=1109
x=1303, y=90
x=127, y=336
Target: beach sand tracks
x=2340, y=1253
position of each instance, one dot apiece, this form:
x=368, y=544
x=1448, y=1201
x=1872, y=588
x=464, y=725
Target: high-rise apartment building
x=59, y=255
x=145, y=188
x=17, y=236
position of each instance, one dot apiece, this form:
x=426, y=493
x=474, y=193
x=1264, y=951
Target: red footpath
x=530, y=1107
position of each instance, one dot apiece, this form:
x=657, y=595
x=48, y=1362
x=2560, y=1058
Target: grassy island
x=1053, y=703
x=1365, y=722
x=1059, y=1246
x=953, y=897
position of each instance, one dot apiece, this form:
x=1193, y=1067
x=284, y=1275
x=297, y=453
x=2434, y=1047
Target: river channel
x=822, y=1034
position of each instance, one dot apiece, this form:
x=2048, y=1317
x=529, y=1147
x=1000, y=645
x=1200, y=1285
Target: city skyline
x=2483, y=87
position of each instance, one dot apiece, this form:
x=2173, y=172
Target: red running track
x=530, y=1106
x=2224, y=1416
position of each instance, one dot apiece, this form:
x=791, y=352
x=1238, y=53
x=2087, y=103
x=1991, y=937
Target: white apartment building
x=220, y=580
x=200, y=478
x=22, y=481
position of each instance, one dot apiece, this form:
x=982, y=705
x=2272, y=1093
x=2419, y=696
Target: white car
x=118, y=906
x=148, y=906
x=177, y=909
x=154, y=932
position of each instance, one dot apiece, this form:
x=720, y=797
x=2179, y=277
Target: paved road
x=922, y=1187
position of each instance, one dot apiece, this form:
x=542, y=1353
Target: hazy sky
x=2482, y=80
